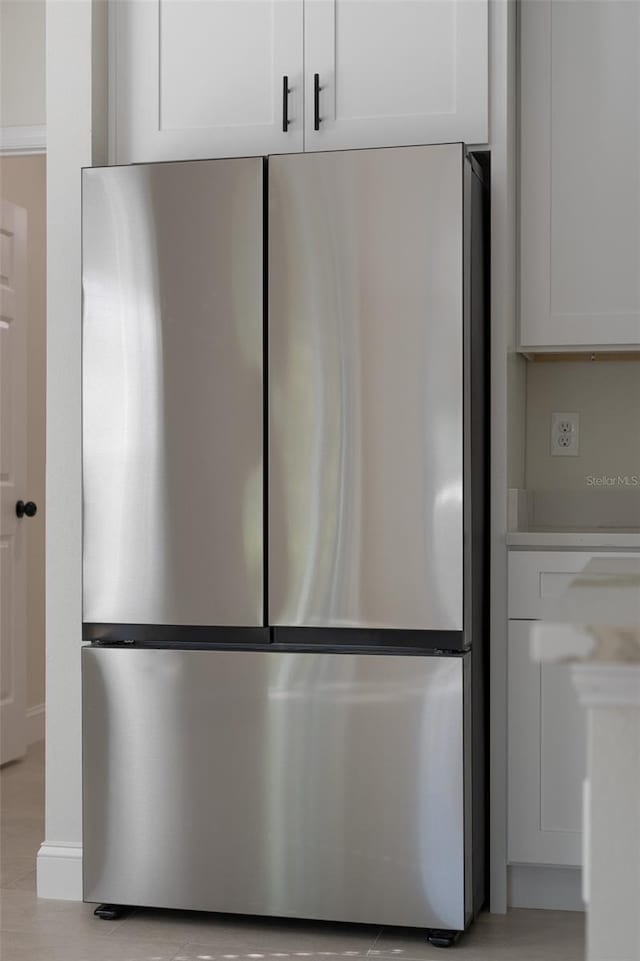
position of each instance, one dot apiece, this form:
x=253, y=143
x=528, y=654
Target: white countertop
x=619, y=540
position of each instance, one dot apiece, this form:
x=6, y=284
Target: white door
x=393, y=72
x=13, y=464
x=206, y=78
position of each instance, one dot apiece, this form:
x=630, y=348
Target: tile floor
x=33, y=930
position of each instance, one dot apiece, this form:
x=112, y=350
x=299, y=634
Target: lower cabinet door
x=307, y=785
x=546, y=758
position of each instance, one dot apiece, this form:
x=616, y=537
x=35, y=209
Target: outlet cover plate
x=565, y=434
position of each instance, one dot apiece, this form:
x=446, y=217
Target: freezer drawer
x=306, y=785
x=366, y=389
x=173, y=394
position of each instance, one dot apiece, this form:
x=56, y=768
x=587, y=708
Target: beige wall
x=607, y=396
x=22, y=181
x=22, y=63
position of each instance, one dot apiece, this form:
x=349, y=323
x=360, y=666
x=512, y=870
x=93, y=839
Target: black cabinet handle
x=285, y=104
x=316, y=101
x=29, y=509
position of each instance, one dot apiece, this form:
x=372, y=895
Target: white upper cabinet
x=205, y=78
x=580, y=175
x=394, y=72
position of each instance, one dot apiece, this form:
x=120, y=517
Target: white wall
x=22, y=60
x=76, y=80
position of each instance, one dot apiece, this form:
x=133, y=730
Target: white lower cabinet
x=547, y=728
x=546, y=758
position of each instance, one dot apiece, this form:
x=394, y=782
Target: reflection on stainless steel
x=293, y=784
x=366, y=388
x=172, y=393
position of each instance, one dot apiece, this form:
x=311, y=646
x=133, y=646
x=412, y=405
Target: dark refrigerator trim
x=176, y=634
x=476, y=175
x=388, y=639
x=265, y=388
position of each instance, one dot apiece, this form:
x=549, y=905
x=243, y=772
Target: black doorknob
x=30, y=509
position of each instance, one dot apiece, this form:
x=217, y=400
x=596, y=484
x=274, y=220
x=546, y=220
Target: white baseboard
x=59, y=871
x=23, y=140
x=550, y=888
x=35, y=723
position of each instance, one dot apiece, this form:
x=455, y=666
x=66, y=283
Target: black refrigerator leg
x=110, y=912
x=442, y=939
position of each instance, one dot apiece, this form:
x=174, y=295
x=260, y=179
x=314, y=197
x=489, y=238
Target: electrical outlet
x=565, y=434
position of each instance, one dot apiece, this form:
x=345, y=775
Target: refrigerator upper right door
x=366, y=389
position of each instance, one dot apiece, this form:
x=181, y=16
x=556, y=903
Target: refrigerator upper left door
x=173, y=395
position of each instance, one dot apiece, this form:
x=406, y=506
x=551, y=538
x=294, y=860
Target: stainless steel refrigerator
x=284, y=438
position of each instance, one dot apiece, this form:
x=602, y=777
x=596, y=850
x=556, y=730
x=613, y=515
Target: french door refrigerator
x=284, y=535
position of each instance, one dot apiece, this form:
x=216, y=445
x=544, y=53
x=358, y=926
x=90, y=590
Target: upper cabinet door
x=394, y=72
x=579, y=175
x=205, y=78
